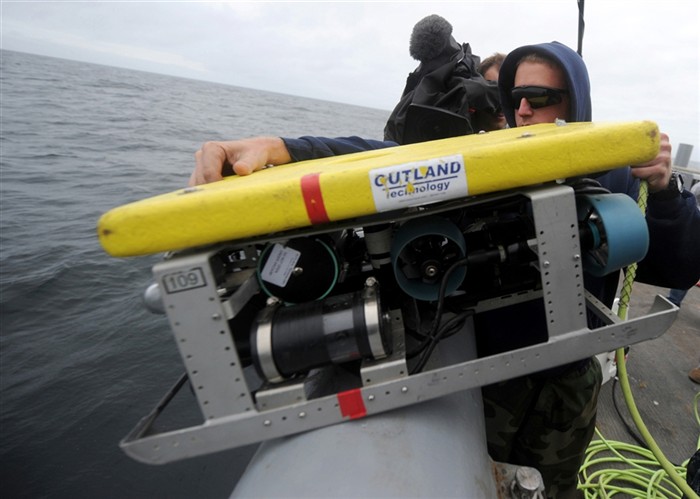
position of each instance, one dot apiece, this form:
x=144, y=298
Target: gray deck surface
x=658, y=373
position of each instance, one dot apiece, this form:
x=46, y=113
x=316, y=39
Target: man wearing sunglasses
x=544, y=420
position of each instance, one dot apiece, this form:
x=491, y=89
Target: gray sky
x=643, y=56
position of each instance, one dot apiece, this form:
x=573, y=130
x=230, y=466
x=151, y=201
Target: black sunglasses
x=537, y=97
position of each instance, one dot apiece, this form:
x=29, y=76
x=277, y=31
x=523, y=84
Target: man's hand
x=656, y=172
x=242, y=157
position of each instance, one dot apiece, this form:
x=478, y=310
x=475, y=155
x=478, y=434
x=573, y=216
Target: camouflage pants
x=544, y=423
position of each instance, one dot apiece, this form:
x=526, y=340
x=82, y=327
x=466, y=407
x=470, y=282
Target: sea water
x=81, y=360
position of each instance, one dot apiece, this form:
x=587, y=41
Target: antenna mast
x=581, y=26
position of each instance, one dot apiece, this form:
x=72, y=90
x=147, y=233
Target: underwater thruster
x=613, y=230
x=422, y=251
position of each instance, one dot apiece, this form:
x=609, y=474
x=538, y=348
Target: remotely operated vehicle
x=343, y=291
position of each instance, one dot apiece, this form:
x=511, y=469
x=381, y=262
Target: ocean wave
x=82, y=360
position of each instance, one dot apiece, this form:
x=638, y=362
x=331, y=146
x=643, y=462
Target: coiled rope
x=651, y=474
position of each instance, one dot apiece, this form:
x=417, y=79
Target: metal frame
x=198, y=317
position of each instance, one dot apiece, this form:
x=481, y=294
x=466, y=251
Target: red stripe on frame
x=313, y=198
x=351, y=404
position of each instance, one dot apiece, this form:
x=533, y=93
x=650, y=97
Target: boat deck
x=658, y=373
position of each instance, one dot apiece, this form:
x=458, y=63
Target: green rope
x=637, y=474
x=631, y=272
x=651, y=482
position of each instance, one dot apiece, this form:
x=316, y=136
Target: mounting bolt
x=545, y=264
x=370, y=398
x=431, y=271
x=527, y=483
x=577, y=257
x=302, y=415
x=267, y=422
x=297, y=271
x=216, y=317
x=404, y=389
x=370, y=282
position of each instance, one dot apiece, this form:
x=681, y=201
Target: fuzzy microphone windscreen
x=430, y=36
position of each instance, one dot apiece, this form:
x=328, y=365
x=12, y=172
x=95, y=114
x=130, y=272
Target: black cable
x=416, y=333
x=586, y=185
x=453, y=326
x=640, y=441
x=425, y=341
x=629, y=429
x=450, y=328
x=434, y=337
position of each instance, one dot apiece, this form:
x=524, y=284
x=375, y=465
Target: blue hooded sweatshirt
x=574, y=70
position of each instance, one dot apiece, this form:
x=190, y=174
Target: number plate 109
x=183, y=280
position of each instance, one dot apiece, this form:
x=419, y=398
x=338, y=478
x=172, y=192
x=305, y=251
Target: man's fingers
x=216, y=160
x=210, y=162
x=243, y=167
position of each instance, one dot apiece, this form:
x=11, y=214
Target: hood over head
x=574, y=70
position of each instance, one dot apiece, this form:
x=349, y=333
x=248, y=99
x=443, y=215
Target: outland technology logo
x=418, y=183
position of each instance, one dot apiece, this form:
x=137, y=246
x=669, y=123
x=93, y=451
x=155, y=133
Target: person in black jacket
x=544, y=420
x=490, y=68
x=446, y=95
